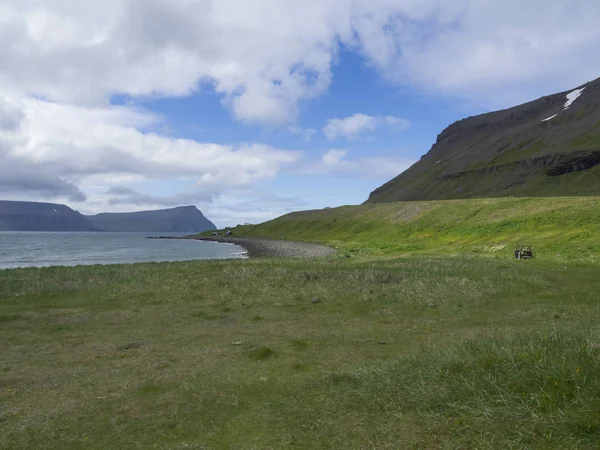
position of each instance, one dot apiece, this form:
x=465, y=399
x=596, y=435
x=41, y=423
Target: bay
x=42, y=249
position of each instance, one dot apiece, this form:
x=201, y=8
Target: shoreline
x=266, y=248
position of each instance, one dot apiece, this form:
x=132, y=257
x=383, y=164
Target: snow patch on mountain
x=571, y=97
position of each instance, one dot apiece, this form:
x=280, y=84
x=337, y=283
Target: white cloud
x=499, y=53
x=350, y=127
x=10, y=114
x=333, y=157
x=263, y=58
x=266, y=56
x=57, y=150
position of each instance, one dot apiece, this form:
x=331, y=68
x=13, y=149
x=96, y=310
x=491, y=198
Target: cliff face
x=182, y=218
x=34, y=216
x=548, y=147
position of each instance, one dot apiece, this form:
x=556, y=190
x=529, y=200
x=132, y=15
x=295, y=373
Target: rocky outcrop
x=556, y=163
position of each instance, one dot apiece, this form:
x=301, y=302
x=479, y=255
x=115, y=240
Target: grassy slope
x=503, y=183
x=569, y=227
x=526, y=179
x=404, y=353
x=414, y=352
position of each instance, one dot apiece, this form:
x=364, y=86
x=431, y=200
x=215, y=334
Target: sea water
x=40, y=249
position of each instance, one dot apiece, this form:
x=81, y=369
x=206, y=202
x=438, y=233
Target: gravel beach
x=267, y=248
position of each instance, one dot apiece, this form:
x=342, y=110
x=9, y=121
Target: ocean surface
x=40, y=249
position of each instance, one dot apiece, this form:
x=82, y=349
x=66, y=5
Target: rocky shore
x=267, y=248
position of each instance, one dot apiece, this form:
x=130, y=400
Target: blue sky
x=357, y=88
x=253, y=109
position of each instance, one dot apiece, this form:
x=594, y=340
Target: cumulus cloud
x=65, y=146
x=25, y=177
x=21, y=178
x=333, y=157
x=264, y=57
x=350, y=127
x=11, y=115
x=61, y=64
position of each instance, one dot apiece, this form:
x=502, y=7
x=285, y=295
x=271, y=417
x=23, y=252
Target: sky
x=252, y=109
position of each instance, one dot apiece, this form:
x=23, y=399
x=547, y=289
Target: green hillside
x=559, y=228
x=544, y=148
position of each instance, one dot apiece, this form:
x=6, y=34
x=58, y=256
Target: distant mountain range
x=547, y=147
x=182, y=218
x=36, y=216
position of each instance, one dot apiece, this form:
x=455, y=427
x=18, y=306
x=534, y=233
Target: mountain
x=547, y=147
x=182, y=218
x=35, y=216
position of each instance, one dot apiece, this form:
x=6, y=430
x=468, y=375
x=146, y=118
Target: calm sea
x=39, y=249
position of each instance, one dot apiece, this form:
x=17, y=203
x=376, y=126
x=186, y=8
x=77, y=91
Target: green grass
x=519, y=152
x=411, y=352
x=426, y=334
x=502, y=168
x=561, y=229
x=586, y=142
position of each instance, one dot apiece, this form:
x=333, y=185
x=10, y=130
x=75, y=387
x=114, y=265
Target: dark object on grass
x=524, y=252
x=228, y=233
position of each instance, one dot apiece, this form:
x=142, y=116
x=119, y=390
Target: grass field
x=561, y=229
x=410, y=352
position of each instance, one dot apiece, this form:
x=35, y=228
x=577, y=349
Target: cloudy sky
x=253, y=108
